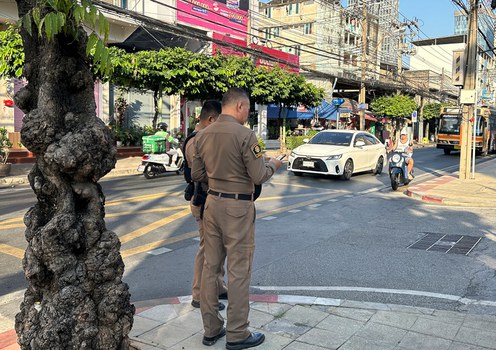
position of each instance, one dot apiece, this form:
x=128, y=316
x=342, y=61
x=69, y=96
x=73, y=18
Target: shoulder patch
x=257, y=150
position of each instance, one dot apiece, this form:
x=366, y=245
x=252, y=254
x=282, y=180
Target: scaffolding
x=387, y=12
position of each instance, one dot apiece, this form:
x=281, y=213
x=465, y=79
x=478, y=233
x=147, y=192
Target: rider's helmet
x=162, y=126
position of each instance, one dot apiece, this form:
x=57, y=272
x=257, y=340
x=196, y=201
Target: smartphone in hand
x=281, y=156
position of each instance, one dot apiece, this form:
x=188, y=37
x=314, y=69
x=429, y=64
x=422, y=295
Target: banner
x=226, y=16
x=280, y=55
x=227, y=50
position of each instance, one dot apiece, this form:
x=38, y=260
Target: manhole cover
x=450, y=244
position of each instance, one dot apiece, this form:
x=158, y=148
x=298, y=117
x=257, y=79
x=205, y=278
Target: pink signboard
x=279, y=55
x=227, y=50
x=226, y=17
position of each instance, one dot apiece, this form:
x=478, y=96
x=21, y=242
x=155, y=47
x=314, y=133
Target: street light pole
x=470, y=85
x=361, y=97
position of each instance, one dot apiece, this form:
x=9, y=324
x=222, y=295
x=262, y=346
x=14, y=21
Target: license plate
x=308, y=164
x=457, y=146
x=141, y=168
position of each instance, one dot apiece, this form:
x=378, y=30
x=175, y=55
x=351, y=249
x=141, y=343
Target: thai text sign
x=214, y=15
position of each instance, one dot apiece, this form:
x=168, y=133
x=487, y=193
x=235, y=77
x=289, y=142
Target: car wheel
x=296, y=173
x=378, y=167
x=348, y=170
x=447, y=151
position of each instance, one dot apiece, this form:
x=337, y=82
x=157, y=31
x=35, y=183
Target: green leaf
x=60, y=20
x=92, y=16
x=26, y=22
x=92, y=39
x=36, y=16
x=98, y=51
x=78, y=14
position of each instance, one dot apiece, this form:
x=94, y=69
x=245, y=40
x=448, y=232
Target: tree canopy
x=432, y=110
x=394, y=106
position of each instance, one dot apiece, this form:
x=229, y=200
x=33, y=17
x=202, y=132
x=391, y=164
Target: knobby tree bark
x=76, y=298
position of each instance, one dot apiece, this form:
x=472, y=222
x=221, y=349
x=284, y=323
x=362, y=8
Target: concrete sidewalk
x=309, y=323
x=449, y=190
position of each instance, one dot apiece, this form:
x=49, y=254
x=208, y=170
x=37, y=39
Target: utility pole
x=469, y=86
x=361, y=97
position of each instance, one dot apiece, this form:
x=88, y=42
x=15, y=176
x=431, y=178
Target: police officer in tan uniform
x=209, y=114
x=229, y=156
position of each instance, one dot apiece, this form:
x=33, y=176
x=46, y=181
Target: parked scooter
x=154, y=164
x=398, y=170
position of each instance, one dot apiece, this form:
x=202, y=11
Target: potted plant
x=5, y=146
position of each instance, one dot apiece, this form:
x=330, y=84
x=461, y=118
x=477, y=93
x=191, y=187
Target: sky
x=435, y=17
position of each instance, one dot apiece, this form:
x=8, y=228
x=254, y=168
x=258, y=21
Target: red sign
x=279, y=55
x=214, y=15
x=227, y=50
x=8, y=103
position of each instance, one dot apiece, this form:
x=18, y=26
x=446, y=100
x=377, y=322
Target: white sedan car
x=339, y=152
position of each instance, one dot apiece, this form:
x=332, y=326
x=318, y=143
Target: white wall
x=435, y=57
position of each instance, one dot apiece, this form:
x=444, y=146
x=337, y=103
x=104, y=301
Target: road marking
x=268, y=218
x=375, y=189
x=380, y=290
x=141, y=198
x=9, y=221
x=7, y=227
x=150, y=246
x=304, y=186
x=159, y=251
x=294, y=211
x=146, y=211
x=316, y=205
x=13, y=251
x=108, y=215
x=154, y=225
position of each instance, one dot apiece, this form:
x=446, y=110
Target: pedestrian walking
x=229, y=156
x=197, y=195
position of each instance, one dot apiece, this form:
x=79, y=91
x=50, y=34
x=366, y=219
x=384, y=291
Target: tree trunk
x=75, y=297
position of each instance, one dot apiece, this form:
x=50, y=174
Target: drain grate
x=444, y=243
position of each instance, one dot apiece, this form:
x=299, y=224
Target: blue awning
x=325, y=110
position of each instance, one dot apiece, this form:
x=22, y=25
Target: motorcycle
x=154, y=164
x=398, y=170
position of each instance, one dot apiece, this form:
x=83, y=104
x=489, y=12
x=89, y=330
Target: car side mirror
x=359, y=144
x=306, y=140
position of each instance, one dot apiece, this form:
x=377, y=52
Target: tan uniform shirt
x=190, y=153
x=229, y=157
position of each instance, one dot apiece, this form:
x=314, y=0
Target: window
x=124, y=4
x=294, y=9
x=268, y=12
x=307, y=28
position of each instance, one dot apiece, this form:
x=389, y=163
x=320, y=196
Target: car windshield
x=332, y=138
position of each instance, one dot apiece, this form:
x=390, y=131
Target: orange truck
x=450, y=120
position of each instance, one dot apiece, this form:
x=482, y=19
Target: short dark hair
x=210, y=108
x=233, y=95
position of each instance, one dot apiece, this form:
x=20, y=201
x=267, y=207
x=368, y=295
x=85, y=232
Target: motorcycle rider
x=403, y=145
x=172, y=153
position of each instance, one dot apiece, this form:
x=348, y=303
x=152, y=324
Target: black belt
x=240, y=196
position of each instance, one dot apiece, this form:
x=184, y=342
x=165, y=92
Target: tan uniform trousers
x=229, y=229
x=199, y=259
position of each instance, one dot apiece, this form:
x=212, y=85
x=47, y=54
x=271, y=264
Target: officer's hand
x=276, y=162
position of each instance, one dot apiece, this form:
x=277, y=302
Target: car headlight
x=396, y=158
x=335, y=157
x=293, y=154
